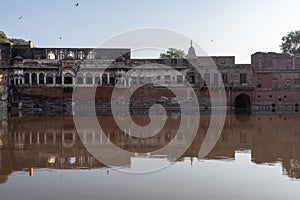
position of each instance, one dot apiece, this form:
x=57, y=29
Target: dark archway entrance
x=242, y=104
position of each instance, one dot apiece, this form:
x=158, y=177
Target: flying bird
x=211, y=40
x=60, y=38
x=20, y=17
x=76, y=4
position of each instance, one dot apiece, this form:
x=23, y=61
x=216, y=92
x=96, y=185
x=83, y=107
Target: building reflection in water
x=31, y=143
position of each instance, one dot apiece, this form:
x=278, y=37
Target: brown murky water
x=256, y=157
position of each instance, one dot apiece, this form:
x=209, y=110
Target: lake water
x=255, y=157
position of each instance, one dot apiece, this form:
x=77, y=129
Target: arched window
x=58, y=80
x=97, y=79
x=104, y=79
x=17, y=80
x=89, y=79
x=68, y=78
x=61, y=55
x=79, y=79
x=80, y=55
x=112, y=79
x=91, y=55
x=41, y=78
x=26, y=78
x=49, y=79
x=190, y=77
x=34, y=78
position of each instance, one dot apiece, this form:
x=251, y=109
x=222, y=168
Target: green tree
x=173, y=53
x=3, y=37
x=18, y=41
x=291, y=43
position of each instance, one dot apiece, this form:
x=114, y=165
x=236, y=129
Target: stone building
x=271, y=81
x=277, y=78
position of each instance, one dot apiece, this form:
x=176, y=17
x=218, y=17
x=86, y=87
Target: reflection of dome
x=191, y=53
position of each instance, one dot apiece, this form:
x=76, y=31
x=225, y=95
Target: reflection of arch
x=34, y=78
x=49, y=136
x=49, y=78
x=242, y=103
x=68, y=139
x=68, y=78
x=26, y=78
x=41, y=78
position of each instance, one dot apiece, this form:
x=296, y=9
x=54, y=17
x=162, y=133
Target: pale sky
x=239, y=28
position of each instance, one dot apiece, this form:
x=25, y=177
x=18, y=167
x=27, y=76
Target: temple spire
x=191, y=52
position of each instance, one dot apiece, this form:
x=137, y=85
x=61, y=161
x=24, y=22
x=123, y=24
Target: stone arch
x=104, y=79
x=34, y=78
x=61, y=55
x=41, y=78
x=190, y=76
x=49, y=79
x=26, y=78
x=242, y=102
x=89, y=79
x=112, y=79
x=58, y=79
x=97, y=79
x=68, y=78
x=91, y=55
x=79, y=79
x=80, y=55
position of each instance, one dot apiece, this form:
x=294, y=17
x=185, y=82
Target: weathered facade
x=277, y=80
x=271, y=81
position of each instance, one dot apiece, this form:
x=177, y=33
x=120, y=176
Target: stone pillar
x=38, y=78
x=30, y=80
x=54, y=80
